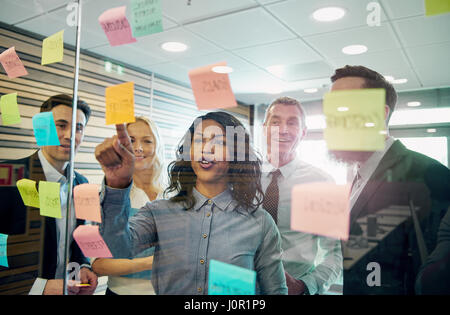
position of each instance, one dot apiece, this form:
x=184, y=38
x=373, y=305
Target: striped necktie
x=271, y=197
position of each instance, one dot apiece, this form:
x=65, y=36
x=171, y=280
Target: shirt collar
x=51, y=174
x=366, y=169
x=285, y=170
x=221, y=201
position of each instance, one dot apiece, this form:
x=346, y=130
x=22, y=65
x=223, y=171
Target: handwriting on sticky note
x=87, y=202
x=434, y=7
x=146, y=17
x=355, y=120
x=53, y=48
x=28, y=192
x=91, y=242
x=116, y=27
x=12, y=63
x=10, y=109
x=120, y=103
x=227, y=279
x=45, y=129
x=211, y=90
x=49, y=199
x=3, y=250
x=321, y=208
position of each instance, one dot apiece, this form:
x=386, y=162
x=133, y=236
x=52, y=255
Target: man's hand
x=295, y=287
x=54, y=287
x=116, y=157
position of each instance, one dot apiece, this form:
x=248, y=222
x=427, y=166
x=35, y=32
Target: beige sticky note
x=355, y=120
x=53, y=49
x=28, y=192
x=321, y=209
x=49, y=199
x=87, y=202
x=120, y=103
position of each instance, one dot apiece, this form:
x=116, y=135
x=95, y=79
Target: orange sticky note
x=322, y=209
x=91, y=242
x=211, y=90
x=120, y=103
x=87, y=202
x=12, y=63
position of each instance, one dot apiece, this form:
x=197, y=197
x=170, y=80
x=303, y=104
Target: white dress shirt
x=316, y=260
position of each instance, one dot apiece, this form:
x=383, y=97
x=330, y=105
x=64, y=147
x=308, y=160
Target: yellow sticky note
x=355, y=120
x=50, y=200
x=10, y=109
x=27, y=189
x=120, y=103
x=435, y=7
x=53, y=48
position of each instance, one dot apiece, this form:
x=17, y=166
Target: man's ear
x=387, y=110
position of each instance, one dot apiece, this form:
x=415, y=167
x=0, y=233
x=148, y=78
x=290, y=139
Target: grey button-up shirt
x=186, y=240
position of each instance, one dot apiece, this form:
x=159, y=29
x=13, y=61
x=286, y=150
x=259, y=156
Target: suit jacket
x=401, y=175
x=48, y=237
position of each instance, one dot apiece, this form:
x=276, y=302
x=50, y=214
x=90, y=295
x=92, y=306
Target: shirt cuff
x=38, y=287
x=310, y=283
x=115, y=195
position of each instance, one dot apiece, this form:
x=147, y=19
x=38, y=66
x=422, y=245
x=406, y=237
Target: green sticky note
x=146, y=17
x=49, y=199
x=10, y=109
x=53, y=48
x=435, y=7
x=3, y=253
x=27, y=189
x=227, y=279
x=355, y=120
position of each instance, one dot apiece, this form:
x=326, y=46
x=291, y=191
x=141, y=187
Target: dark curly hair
x=244, y=173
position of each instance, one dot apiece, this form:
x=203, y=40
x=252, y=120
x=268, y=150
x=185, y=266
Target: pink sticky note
x=87, y=202
x=116, y=27
x=211, y=90
x=91, y=242
x=322, y=209
x=12, y=63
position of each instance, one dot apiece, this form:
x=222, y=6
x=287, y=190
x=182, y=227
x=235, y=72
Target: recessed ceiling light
x=414, y=104
x=389, y=78
x=431, y=130
x=174, y=46
x=328, y=14
x=342, y=109
x=370, y=124
x=400, y=81
x=354, y=49
x=274, y=90
x=222, y=69
x=310, y=91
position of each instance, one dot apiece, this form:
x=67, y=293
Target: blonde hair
x=159, y=180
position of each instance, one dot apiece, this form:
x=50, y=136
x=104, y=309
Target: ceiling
x=252, y=35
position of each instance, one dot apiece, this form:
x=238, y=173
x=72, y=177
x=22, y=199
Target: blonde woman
x=132, y=276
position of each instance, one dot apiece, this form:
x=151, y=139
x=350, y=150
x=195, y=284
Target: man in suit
x=393, y=176
x=50, y=164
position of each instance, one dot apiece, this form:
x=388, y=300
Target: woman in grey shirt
x=214, y=213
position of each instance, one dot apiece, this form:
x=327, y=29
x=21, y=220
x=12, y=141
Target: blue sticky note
x=3, y=255
x=45, y=129
x=226, y=279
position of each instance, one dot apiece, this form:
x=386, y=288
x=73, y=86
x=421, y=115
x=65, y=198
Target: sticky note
x=53, y=48
x=434, y=7
x=3, y=253
x=12, y=64
x=28, y=192
x=321, y=209
x=45, y=129
x=10, y=109
x=227, y=279
x=355, y=120
x=91, y=242
x=211, y=90
x=49, y=199
x=120, y=103
x=146, y=17
x=87, y=202
x=116, y=27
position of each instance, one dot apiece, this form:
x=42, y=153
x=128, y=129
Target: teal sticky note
x=45, y=129
x=146, y=17
x=3, y=255
x=226, y=279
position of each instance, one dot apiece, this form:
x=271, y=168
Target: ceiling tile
x=297, y=14
x=254, y=81
x=375, y=38
x=424, y=30
x=26, y=9
x=233, y=61
x=244, y=29
x=280, y=53
x=397, y=9
x=170, y=70
x=304, y=71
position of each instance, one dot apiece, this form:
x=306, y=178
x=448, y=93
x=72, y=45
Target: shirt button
x=199, y=290
x=209, y=201
x=202, y=261
x=205, y=235
x=208, y=214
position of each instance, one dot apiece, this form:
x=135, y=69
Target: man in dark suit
x=46, y=235
x=393, y=176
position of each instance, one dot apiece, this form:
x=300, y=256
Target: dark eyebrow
x=62, y=121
